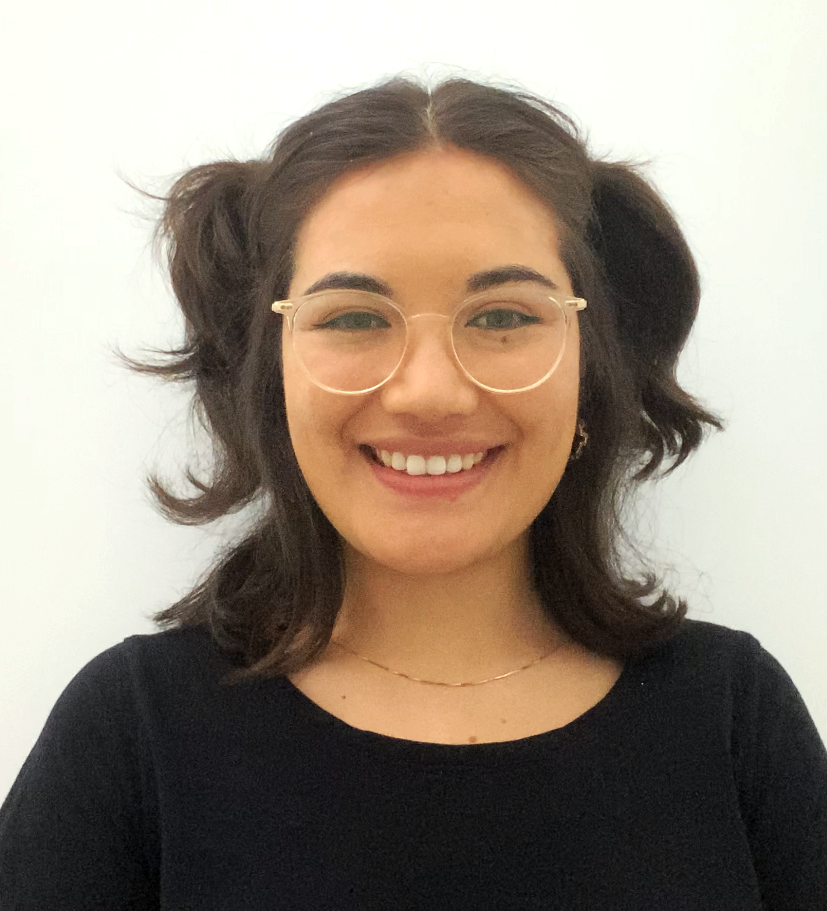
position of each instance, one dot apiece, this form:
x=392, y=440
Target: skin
x=438, y=588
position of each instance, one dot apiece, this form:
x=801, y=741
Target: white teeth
x=436, y=465
x=433, y=465
x=416, y=465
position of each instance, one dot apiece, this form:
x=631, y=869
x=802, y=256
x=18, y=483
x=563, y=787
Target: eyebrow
x=479, y=281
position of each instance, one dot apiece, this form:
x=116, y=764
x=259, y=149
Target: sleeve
x=781, y=763
x=74, y=828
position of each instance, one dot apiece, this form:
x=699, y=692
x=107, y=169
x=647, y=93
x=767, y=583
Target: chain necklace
x=437, y=683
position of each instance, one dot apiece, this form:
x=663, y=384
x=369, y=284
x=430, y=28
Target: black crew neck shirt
x=698, y=782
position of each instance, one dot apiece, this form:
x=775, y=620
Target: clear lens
x=510, y=340
x=506, y=339
x=348, y=341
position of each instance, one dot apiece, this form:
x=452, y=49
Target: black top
x=699, y=782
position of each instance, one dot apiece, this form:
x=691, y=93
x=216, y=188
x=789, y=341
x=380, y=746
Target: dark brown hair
x=271, y=600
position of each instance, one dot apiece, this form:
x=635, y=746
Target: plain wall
x=729, y=99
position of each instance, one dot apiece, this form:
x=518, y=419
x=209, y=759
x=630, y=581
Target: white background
x=729, y=98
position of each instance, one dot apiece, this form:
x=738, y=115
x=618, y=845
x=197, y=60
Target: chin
x=437, y=556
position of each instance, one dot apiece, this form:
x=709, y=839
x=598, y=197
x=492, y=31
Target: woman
x=439, y=341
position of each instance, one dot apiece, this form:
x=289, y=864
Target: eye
x=355, y=321
x=501, y=318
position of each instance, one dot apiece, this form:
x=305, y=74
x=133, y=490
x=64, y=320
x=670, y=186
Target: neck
x=473, y=622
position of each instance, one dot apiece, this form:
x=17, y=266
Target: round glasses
x=508, y=339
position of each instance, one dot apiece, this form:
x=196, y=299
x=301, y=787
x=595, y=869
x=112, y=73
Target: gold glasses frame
x=290, y=307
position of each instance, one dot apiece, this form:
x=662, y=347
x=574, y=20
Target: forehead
x=446, y=211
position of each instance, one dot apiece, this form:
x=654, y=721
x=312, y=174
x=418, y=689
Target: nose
x=429, y=381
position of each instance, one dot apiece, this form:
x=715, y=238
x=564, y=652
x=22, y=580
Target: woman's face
x=423, y=223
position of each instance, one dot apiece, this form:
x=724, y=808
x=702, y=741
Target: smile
x=434, y=469
x=431, y=465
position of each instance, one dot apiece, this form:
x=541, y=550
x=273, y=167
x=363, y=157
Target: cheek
x=317, y=421
x=304, y=401
x=548, y=423
x=553, y=415
x=304, y=420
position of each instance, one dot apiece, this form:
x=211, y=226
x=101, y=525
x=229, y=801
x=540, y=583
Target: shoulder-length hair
x=271, y=600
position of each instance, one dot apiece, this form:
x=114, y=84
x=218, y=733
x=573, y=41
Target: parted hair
x=228, y=231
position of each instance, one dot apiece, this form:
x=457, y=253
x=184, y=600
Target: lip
x=449, y=486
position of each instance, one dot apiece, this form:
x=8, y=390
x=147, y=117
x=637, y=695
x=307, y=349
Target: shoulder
x=118, y=685
x=170, y=653
x=700, y=643
x=731, y=673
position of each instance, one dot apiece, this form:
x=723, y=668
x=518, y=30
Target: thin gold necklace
x=437, y=683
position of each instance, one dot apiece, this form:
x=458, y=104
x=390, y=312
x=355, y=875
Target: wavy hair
x=228, y=229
